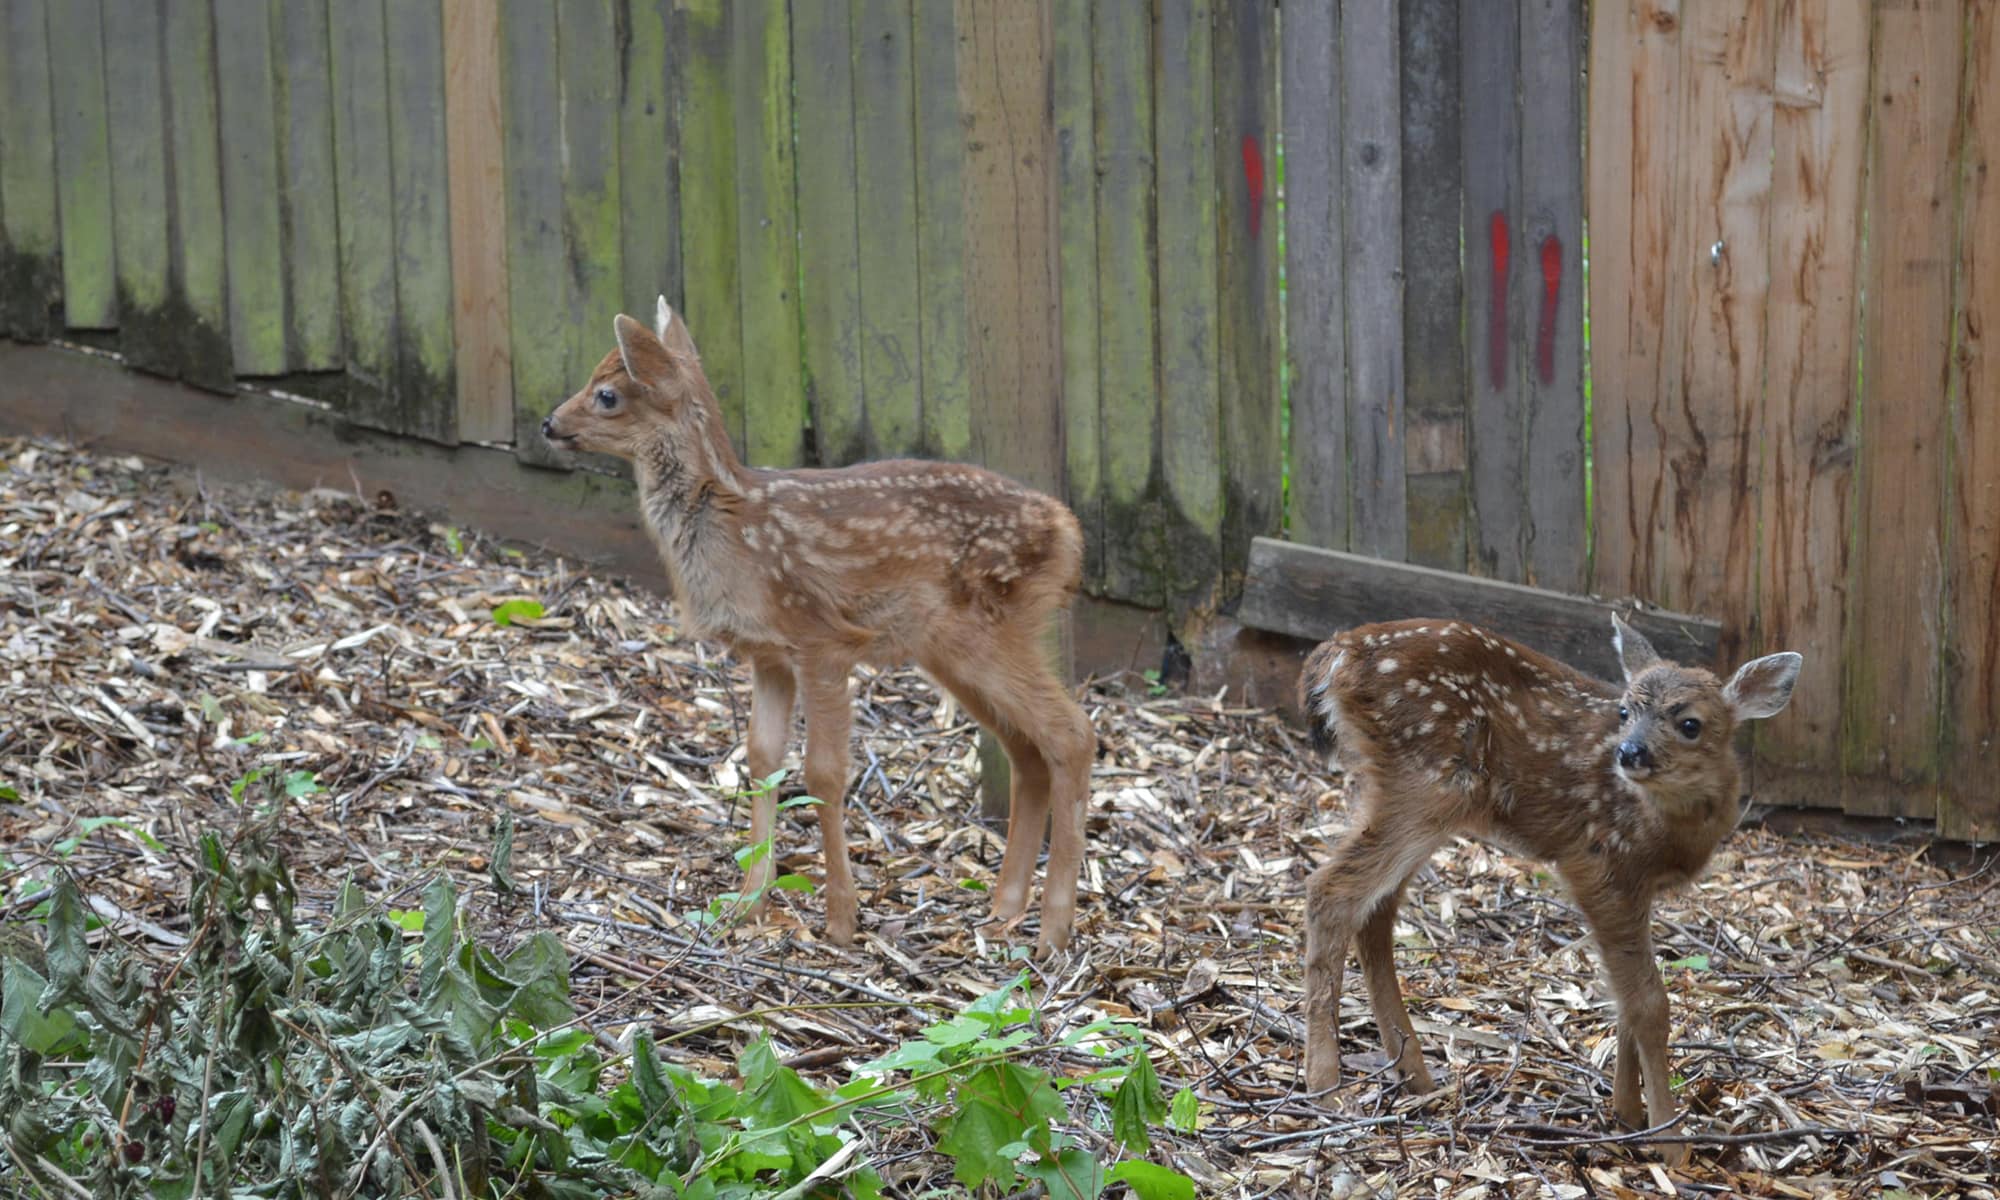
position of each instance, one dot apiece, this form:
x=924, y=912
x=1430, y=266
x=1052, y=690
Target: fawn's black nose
x=546, y=431
x=1634, y=754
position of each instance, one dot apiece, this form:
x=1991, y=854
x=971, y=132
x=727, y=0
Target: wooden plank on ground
x=250, y=221
x=148, y=326
x=885, y=174
x=1551, y=267
x=1489, y=35
x=200, y=263
x=648, y=158
x=1819, y=141
x=1433, y=311
x=83, y=164
x=426, y=370
x=1968, y=805
x=363, y=178
x=708, y=202
x=1248, y=252
x=1186, y=123
x=1128, y=388
x=476, y=174
x=308, y=191
x=537, y=259
x=951, y=420
x=1076, y=267
x=774, y=394
x=30, y=266
x=1315, y=307
x=1306, y=592
x=1371, y=180
x=592, y=273
x=829, y=249
x=1894, y=649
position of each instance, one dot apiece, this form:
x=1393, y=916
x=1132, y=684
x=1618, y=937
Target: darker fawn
x=807, y=573
x=1443, y=729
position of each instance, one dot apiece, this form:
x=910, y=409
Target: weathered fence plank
x=308, y=191
x=1434, y=448
x=538, y=315
x=476, y=176
x=886, y=179
x=149, y=327
x=83, y=165
x=950, y=428
x=30, y=266
x=363, y=178
x=648, y=157
x=829, y=245
x=1315, y=309
x=250, y=221
x=593, y=276
x=1490, y=48
x=199, y=245
x=1891, y=725
x=1371, y=170
x=1551, y=265
x=425, y=381
x=1076, y=267
x=774, y=404
x=708, y=202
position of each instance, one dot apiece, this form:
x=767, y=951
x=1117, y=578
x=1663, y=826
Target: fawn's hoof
x=840, y=923
x=1674, y=1154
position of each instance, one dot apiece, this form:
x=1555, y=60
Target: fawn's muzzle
x=1635, y=756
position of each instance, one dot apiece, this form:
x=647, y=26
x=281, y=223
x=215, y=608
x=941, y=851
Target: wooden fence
x=1051, y=237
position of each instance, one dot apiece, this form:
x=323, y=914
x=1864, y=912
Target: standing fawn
x=807, y=573
x=1444, y=729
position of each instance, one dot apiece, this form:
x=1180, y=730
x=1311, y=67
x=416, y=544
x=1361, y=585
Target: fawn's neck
x=687, y=493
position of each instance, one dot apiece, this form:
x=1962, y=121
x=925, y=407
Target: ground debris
x=162, y=642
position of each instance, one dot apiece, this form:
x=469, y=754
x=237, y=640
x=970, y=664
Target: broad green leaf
x=301, y=783
x=1137, y=1104
x=7, y=793
x=773, y=1093
x=975, y=1137
x=798, y=802
x=756, y=852
x=915, y=1055
x=1693, y=962
x=68, y=953
x=510, y=611
x=1184, y=1114
x=792, y=883
x=440, y=911
x=1150, y=1181
x=957, y=1031
x=20, y=1017
x=539, y=969
x=993, y=1004
x=999, y=1104
x=1074, y=1174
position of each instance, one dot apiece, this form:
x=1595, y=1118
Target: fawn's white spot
x=1387, y=666
x=1437, y=706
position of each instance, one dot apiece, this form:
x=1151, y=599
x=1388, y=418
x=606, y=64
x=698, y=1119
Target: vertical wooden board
x=250, y=222
x=1433, y=346
x=1891, y=719
x=885, y=174
x=708, y=202
x=1371, y=182
x=1491, y=145
x=425, y=386
x=774, y=403
x=307, y=191
x=648, y=163
x=1315, y=282
x=1969, y=803
x=1076, y=268
x=83, y=164
x=199, y=251
x=366, y=198
x=592, y=274
x=950, y=422
x=1819, y=141
x=538, y=316
x=30, y=268
x=1128, y=370
x=148, y=327
x=476, y=174
x=830, y=300
x=1551, y=268
x=1185, y=121
x=1635, y=112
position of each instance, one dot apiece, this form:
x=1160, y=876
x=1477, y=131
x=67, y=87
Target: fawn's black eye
x=1624, y=714
x=607, y=399
x=1690, y=728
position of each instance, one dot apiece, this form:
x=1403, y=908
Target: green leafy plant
x=507, y=612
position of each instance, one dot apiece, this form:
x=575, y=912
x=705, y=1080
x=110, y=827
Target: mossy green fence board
x=537, y=299
x=648, y=166
x=30, y=265
x=199, y=245
x=83, y=164
x=949, y=423
x=424, y=365
x=1075, y=118
x=593, y=275
x=250, y=194
x=886, y=185
x=829, y=246
x=306, y=190
x=708, y=202
x=365, y=193
x=149, y=326
x=774, y=407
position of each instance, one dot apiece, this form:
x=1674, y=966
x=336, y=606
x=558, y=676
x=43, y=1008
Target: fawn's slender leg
x=772, y=689
x=1376, y=944
x=829, y=725
x=1028, y=794
x=1625, y=940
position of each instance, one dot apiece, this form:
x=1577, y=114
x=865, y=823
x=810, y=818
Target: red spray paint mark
x=1253, y=174
x=1545, y=332
x=1496, y=309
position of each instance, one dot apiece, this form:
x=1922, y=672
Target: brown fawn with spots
x=808, y=573
x=1445, y=729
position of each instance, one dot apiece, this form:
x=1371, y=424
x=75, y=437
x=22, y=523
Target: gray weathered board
x=1311, y=593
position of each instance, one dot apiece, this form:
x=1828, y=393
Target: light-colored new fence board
x=1074, y=118
x=149, y=328
x=766, y=224
x=83, y=164
x=200, y=247
x=247, y=104
x=1371, y=182
x=31, y=269
x=1491, y=144
x=307, y=193
x=476, y=175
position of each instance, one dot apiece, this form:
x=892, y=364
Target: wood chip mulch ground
x=1836, y=1005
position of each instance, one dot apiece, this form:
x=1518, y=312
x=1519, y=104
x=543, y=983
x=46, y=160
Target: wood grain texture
x=886, y=177
x=307, y=191
x=199, y=251
x=1311, y=593
x=1891, y=718
x=364, y=191
x=426, y=360
x=1189, y=128
x=593, y=275
x=1550, y=323
x=952, y=417
x=1819, y=140
x=708, y=202
x=246, y=94
x=1247, y=251
x=829, y=240
x=148, y=333
x=83, y=164
x=1434, y=379
x=1315, y=308
x=648, y=156
x=476, y=174
x=30, y=262
x=1371, y=180
x=1074, y=98
x=1128, y=388
x=537, y=298
x=1969, y=802
x=774, y=401
x=1490, y=40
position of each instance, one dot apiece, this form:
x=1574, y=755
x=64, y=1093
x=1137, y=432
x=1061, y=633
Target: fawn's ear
x=1763, y=686
x=645, y=358
x=673, y=334
x=1635, y=653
